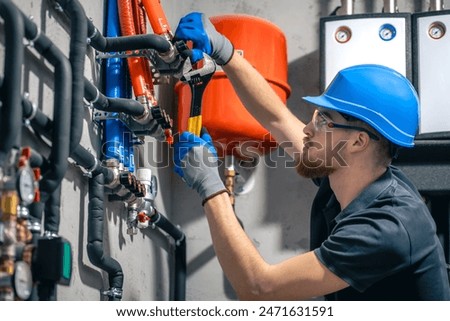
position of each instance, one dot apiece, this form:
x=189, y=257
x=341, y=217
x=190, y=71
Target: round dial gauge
x=25, y=185
x=23, y=281
x=343, y=34
x=436, y=30
x=387, y=32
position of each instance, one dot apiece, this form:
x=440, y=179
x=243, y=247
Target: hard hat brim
x=362, y=114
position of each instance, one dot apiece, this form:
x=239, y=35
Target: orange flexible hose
x=140, y=20
x=139, y=70
x=140, y=24
x=132, y=17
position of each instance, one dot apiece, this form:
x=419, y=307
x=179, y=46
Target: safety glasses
x=320, y=121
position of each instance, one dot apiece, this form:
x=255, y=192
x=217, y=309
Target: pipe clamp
x=33, y=109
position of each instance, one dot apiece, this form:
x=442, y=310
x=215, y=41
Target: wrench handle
x=195, y=125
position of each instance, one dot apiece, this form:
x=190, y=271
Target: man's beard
x=312, y=168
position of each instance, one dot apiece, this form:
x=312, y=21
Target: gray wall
x=274, y=206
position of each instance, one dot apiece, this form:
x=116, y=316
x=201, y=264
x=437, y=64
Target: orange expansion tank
x=232, y=128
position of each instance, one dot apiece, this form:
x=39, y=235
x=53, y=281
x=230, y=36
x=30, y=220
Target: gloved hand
x=196, y=162
x=197, y=28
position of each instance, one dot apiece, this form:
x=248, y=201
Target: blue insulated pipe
x=116, y=143
x=10, y=90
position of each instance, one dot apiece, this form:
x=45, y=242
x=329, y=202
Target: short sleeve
x=365, y=248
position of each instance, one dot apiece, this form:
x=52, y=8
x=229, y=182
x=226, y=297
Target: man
x=372, y=237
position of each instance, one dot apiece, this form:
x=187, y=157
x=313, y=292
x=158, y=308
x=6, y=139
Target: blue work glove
x=196, y=162
x=197, y=28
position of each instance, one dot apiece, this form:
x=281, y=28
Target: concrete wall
x=274, y=206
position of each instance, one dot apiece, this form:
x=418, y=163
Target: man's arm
x=264, y=104
x=301, y=277
x=253, y=90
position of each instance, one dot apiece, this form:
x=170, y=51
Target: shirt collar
x=368, y=195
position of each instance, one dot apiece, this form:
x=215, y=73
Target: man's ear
x=359, y=141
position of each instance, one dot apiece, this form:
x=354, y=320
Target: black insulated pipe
x=37, y=160
x=95, y=239
x=77, y=56
x=114, y=44
x=35, y=116
x=119, y=105
x=91, y=163
x=43, y=125
x=180, y=254
x=58, y=130
x=52, y=217
x=10, y=91
x=61, y=109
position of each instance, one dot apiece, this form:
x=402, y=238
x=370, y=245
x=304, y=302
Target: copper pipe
x=390, y=6
x=347, y=8
x=436, y=5
x=230, y=174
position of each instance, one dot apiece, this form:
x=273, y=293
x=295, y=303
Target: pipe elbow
x=95, y=252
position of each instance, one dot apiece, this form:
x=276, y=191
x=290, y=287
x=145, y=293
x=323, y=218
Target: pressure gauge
x=25, y=185
x=387, y=32
x=23, y=280
x=343, y=34
x=436, y=30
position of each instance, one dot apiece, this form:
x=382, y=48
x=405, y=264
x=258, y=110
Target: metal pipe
x=347, y=8
x=10, y=91
x=390, y=6
x=436, y=5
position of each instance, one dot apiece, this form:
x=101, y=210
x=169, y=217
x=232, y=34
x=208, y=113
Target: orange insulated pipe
x=139, y=70
x=157, y=18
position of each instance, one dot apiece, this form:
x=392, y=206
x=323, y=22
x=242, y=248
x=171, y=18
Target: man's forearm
x=263, y=103
x=237, y=255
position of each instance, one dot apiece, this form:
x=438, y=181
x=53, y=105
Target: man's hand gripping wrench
x=197, y=75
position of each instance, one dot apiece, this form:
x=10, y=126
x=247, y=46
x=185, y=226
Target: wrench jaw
x=198, y=72
x=197, y=76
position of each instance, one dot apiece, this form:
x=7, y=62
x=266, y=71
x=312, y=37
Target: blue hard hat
x=377, y=95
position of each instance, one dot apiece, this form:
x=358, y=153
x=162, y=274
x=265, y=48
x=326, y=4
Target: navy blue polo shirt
x=383, y=244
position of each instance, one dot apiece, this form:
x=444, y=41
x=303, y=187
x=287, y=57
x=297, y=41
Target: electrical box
x=431, y=48
x=350, y=40
x=54, y=260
